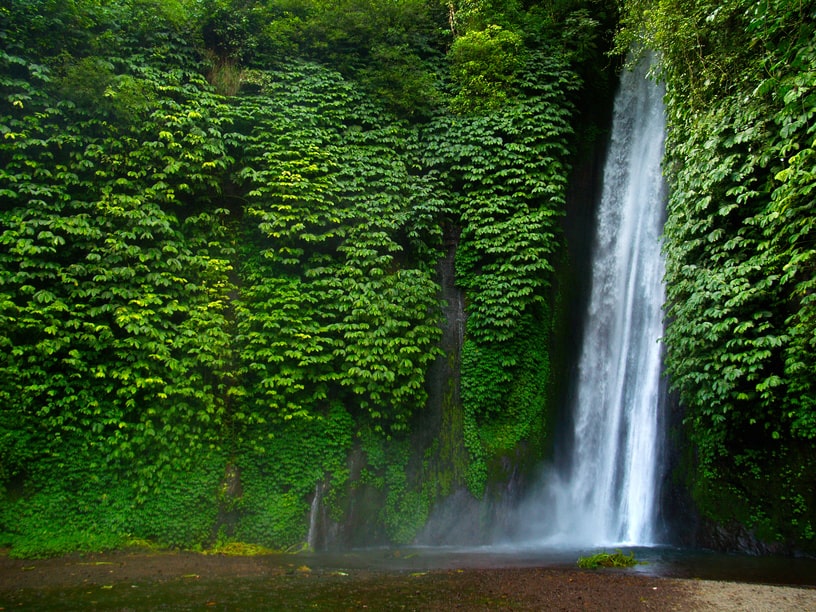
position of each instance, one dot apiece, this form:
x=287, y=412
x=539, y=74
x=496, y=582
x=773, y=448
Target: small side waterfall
x=605, y=489
x=314, y=516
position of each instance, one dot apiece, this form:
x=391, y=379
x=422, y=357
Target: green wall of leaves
x=220, y=226
x=740, y=248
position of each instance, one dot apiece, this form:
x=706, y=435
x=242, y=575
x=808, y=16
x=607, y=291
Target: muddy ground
x=188, y=581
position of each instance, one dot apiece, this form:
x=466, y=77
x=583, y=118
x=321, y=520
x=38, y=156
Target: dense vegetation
x=741, y=248
x=221, y=223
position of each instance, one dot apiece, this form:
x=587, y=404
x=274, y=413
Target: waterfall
x=605, y=489
x=314, y=517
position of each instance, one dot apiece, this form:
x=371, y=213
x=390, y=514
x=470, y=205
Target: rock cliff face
x=735, y=537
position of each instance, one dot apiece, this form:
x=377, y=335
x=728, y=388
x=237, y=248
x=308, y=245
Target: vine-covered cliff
x=741, y=324
x=222, y=228
x=293, y=271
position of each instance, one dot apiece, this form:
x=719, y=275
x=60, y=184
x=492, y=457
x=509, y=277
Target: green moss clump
x=606, y=559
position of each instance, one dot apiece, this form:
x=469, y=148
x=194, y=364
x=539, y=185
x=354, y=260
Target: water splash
x=606, y=489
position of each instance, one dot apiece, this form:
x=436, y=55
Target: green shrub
x=606, y=559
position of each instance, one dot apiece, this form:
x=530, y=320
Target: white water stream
x=314, y=516
x=606, y=489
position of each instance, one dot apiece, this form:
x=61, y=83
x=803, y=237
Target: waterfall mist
x=604, y=489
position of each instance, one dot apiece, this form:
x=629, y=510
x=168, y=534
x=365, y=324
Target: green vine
x=740, y=228
x=220, y=227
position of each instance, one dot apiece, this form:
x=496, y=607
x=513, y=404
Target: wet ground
x=370, y=580
x=185, y=581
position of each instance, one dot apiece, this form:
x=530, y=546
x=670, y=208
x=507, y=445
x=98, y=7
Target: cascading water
x=605, y=490
x=314, y=516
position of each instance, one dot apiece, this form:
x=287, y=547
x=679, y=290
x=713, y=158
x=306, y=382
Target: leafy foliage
x=389, y=48
x=280, y=475
x=507, y=171
x=100, y=296
x=340, y=315
x=739, y=247
x=484, y=66
x=606, y=559
x=241, y=269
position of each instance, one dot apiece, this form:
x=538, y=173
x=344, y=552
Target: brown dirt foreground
x=186, y=581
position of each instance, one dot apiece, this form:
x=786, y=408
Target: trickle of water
x=607, y=489
x=314, y=516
